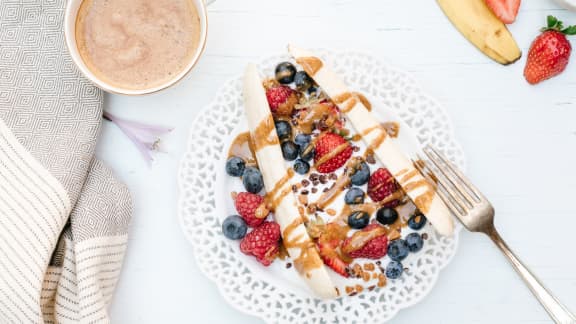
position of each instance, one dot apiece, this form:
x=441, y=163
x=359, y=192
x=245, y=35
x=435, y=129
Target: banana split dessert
x=326, y=188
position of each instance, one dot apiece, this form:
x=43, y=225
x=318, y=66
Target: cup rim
x=70, y=17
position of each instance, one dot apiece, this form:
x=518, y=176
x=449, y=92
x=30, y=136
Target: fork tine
x=420, y=165
x=459, y=190
x=450, y=202
x=429, y=175
x=463, y=179
x=445, y=181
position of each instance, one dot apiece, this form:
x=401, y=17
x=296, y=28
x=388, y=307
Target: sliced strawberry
x=336, y=148
x=328, y=243
x=333, y=260
x=505, y=10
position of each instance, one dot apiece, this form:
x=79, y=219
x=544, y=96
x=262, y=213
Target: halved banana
x=481, y=27
x=300, y=246
x=375, y=136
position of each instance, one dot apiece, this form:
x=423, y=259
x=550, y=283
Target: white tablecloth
x=519, y=140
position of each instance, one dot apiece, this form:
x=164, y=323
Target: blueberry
x=302, y=81
x=289, y=150
x=302, y=139
x=361, y=174
x=283, y=129
x=358, y=220
x=415, y=242
x=354, y=196
x=307, y=152
x=285, y=72
x=235, y=166
x=252, y=180
x=398, y=250
x=312, y=90
x=301, y=166
x=394, y=270
x=417, y=221
x=234, y=227
x=386, y=216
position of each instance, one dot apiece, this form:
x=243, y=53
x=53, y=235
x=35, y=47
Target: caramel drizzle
x=365, y=102
x=376, y=142
x=308, y=258
x=316, y=112
x=272, y=197
x=339, y=149
x=370, y=207
x=281, y=197
x=400, y=173
x=385, y=131
x=243, y=147
x=361, y=238
x=424, y=200
x=290, y=228
x=408, y=176
x=416, y=184
x=343, y=180
x=346, y=101
x=264, y=134
x=310, y=64
x=392, y=128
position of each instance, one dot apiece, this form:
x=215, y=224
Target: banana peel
x=482, y=28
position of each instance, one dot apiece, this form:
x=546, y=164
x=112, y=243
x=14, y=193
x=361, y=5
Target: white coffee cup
x=70, y=18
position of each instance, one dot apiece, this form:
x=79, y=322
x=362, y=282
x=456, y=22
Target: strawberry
x=263, y=243
x=328, y=242
x=505, y=10
x=281, y=99
x=357, y=246
x=327, y=143
x=382, y=185
x=549, y=53
x=251, y=208
x=333, y=260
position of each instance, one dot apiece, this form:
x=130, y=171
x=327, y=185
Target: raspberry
x=262, y=242
x=251, y=208
x=326, y=144
x=281, y=99
x=375, y=248
x=382, y=185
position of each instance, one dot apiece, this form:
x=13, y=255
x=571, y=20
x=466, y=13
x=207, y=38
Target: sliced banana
x=375, y=136
x=290, y=217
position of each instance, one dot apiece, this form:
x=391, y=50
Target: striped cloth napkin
x=63, y=216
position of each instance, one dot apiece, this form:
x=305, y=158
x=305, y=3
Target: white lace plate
x=275, y=294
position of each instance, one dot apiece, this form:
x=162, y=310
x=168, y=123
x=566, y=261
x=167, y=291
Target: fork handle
x=558, y=312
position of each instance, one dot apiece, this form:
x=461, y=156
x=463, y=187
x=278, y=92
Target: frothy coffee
x=137, y=44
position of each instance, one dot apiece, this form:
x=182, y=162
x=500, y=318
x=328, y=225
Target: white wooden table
x=520, y=143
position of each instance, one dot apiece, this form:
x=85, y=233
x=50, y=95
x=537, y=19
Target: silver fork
x=476, y=213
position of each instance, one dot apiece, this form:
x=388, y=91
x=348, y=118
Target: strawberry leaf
x=552, y=21
x=554, y=24
x=570, y=30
